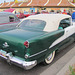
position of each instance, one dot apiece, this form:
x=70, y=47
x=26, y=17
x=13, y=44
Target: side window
x=65, y=23
x=11, y=18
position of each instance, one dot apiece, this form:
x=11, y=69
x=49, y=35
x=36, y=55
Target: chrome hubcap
x=49, y=57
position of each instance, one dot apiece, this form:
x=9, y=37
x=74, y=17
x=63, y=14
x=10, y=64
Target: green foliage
x=71, y=70
x=74, y=1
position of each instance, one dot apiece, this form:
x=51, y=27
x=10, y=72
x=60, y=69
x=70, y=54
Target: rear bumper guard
x=18, y=61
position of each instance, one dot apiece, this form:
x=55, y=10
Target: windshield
x=33, y=23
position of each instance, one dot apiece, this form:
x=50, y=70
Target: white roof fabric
x=52, y=20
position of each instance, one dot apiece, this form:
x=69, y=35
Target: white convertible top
x=52, y=20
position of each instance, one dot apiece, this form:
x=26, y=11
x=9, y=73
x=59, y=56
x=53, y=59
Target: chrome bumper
x=18, y=61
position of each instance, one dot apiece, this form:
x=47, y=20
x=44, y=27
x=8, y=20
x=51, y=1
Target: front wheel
x=49, y=58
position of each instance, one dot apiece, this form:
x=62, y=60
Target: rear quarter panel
x=39, y=46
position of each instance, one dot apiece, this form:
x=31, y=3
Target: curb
x=66, y=67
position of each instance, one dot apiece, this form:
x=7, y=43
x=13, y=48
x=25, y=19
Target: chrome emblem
x=5, y=45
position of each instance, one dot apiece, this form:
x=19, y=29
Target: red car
x=22, y=15
x=9, y=10
x=25, y=14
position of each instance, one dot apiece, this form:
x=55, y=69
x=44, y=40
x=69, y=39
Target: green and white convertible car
x=36, y=39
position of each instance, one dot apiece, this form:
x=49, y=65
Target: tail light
x=26, y=43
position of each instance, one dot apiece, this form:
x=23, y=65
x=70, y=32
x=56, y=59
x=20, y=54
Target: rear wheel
x=49, y=58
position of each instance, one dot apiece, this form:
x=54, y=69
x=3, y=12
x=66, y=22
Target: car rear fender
x=40, y=45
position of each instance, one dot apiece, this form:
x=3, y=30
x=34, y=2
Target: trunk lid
x=15, y=40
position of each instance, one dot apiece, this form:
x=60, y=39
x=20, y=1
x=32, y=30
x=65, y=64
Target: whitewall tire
x=49, y=58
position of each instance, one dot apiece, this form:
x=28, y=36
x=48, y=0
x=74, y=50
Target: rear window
x=33, y=23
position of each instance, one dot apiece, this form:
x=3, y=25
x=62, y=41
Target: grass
x=72, y=70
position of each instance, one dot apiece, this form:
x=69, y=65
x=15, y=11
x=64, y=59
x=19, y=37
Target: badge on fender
x=5, y=45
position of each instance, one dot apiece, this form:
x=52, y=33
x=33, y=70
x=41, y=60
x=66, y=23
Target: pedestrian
x=21, y=15
x=64, y=12
x=73, y=16
x=52, y=12
x=38, y=12
x=58, y=12
x=15, y=12
x=68, y=12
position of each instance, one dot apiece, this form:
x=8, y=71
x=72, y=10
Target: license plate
x=3, y=53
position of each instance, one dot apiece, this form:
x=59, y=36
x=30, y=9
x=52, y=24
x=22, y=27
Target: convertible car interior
x=65, y=23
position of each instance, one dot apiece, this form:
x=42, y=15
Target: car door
x=69, y=31
x=69, y=28
x=67, y=38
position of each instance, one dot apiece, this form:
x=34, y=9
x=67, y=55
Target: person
x=21, y=15
x=31, y=11
x=64, y=12
x=52, y=12
x=73, y=16
x=58, y=12
x=38, y=12
x=15, y=12
x=68, y=13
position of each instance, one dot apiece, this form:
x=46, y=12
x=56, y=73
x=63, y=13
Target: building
x=38, y=5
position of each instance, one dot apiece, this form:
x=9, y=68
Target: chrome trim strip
x=3, y=57
x=37, y=53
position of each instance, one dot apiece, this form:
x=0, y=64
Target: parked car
x=8, y=21
x=10, y=10
x=24, y=15
x=36, y=39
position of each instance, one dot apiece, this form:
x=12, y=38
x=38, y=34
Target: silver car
x=8, y=21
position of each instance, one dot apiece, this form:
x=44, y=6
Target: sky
x=1, y=1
